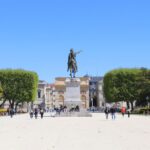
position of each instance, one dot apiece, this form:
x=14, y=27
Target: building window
x=39, y=93
x=83, y=92
x=61, y=98
x=83, y=98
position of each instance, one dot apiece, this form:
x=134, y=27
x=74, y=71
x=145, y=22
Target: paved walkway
x=91, y=133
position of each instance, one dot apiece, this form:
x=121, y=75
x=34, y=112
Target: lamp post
x=147, y=99
x=92, y=101
x=92, y=98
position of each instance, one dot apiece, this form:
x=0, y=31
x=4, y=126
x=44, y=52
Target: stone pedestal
x=72, y=96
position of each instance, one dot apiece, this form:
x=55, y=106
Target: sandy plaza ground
x=72, y=133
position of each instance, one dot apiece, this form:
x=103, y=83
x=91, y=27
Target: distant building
x=45, y=94
x=53, y=95
x=96, y=92
x=60, y=87
x=100, y=94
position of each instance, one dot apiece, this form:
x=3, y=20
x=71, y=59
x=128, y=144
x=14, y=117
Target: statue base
x=72, y=97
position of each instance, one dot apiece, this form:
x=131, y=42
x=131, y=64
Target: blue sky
x=38, y=34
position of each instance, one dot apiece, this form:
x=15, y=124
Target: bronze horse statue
x=72, y=64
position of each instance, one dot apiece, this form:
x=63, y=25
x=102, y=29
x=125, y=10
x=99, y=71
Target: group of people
x=113, y=111
x=65, y=109
x=124, y=111
x=35, y=112
x=53, y=112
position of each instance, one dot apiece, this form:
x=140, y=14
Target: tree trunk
x=128, y=105
x=132, y=107
x=2, y=103
x=11, y=103
x=16, y=105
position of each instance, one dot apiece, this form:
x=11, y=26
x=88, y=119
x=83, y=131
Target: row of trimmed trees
x=127, y=85
x=17, y=86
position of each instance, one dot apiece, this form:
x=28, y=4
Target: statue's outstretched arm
x=78, y=52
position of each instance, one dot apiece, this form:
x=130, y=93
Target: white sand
x=96, y=133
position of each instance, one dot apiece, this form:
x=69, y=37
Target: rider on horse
x=72, y=63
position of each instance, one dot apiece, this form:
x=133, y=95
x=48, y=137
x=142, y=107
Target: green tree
x=144, y=86
x=126, y=85
x=1, y=96
x=18, y=86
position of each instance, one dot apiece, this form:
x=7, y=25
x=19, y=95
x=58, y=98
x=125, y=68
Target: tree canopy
x=18, y=86
x=127, y=85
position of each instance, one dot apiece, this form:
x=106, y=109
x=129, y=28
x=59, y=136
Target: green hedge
x=144, y=110
x=3, y=110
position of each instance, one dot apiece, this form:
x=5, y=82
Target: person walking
x=11, y=112
x=128, y=112
x=113, y=111
x=31, y=114
x=41, y=113
x=36, y=113
x=123, y=111
x=106, y=112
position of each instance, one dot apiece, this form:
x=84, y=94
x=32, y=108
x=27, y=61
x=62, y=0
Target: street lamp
x=92, y=96
x=92, y=101
x=147, y=98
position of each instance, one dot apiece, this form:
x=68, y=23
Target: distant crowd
x=56, y=111
x=112, y=111
x=53, y=112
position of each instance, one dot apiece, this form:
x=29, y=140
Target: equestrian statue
x=72, y=63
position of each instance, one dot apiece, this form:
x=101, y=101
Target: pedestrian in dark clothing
x=31, y=114
x=113, y=111
x=41, y=113
x=11, y=112
x=128, y=112
x=36, y=113
x=106, y=112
